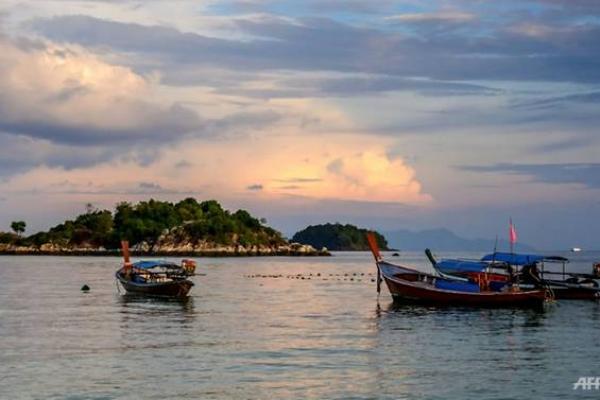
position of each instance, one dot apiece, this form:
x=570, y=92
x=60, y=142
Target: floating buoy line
x=348, y=276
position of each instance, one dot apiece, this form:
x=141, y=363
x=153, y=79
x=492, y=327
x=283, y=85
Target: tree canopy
x=18, y=227
x=146, y=221
x=337, y=237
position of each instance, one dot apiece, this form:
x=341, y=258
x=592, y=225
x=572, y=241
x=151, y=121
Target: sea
x=280, y=328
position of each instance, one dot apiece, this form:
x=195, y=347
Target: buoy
x=85, y=288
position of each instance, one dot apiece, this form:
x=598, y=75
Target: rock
x=143, y=247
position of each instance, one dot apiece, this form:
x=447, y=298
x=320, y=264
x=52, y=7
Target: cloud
x=70, y=97
x=299, y=180
x=321, y=44
x=64, y=107
x=353, y=85
x=183, y=164
x=560, y=101
x=586, y=174
x=149, y=185
x=20, y=153
x=564, y=144
x=349, y=6
x=280, y=163
x=454, y=17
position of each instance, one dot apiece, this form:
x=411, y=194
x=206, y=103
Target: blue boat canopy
x=148, y=264
x=520, y=259
x=461, y=265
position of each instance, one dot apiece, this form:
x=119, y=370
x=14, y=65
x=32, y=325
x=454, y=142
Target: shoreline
x=266, y=252
x=167, y=249
x=214, y=254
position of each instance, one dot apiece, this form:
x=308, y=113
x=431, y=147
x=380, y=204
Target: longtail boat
x=155, y=277
x=528, y=270
x=410, y=285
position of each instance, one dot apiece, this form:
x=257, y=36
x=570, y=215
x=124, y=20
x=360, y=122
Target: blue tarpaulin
x=457, y=286
x=520, y=259
x=147, y=264
x=461, y=265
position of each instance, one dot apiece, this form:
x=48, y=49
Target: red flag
x=512, y=233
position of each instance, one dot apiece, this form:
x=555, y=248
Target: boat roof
x=521, y=259
x=148, y=264
x=462, y=265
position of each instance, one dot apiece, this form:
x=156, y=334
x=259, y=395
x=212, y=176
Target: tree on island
x=338, y=237
x=18, y=227
x=187, y=221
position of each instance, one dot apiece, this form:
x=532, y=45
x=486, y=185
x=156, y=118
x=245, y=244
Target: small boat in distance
x=575, y=250
x=409, y=285
x=156, y=277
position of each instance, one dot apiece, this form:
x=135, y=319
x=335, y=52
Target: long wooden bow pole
x=372, y=240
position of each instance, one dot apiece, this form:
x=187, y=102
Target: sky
x=390, y=115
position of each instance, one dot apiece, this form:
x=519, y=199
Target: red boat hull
x=409, y=285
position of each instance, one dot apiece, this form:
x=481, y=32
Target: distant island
x=338, y=237
x=186, y=228
x=445, y=240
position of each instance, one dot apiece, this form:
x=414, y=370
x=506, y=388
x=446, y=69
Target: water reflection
x=156, y=310
x=245, y=338
x=185, y=304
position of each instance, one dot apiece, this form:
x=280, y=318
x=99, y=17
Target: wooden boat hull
x=574, y=292
x=405, y=284
x=175, y=288
x=561, y=290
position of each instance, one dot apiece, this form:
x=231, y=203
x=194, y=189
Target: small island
x=158, y=228
x=338, y=237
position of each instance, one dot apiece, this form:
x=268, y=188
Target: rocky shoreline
x=180, y=250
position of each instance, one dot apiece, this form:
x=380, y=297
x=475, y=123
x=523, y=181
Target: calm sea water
x=241, y=337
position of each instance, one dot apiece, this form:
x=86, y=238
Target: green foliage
x=148, y=220
x=337, y=237
x=90, y=229
x=8, y=237
x=144, y=221
x=18, y=227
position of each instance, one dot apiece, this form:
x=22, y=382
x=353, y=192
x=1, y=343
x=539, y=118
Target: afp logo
x=587, y=383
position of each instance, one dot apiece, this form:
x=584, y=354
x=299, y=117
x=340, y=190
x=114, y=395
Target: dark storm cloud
x=312, y=44
x=587, y=174
x=160, y=125
x=20, y=153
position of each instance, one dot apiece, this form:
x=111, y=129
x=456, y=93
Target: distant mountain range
x=445, y=240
